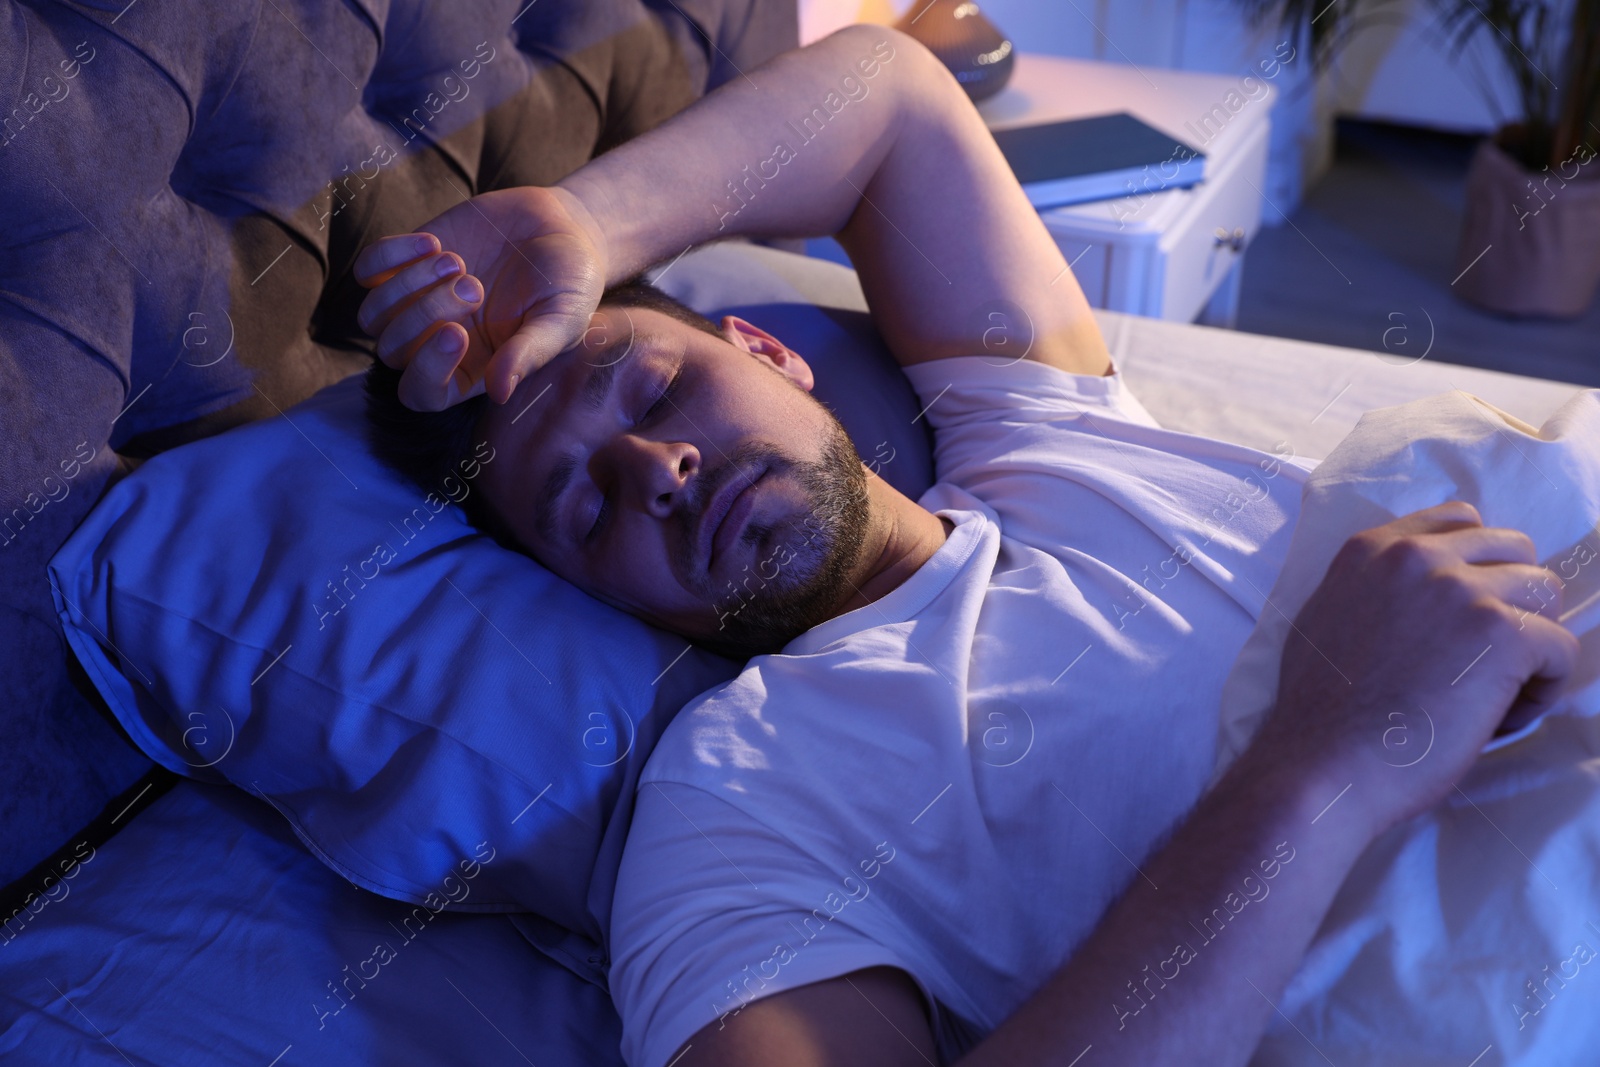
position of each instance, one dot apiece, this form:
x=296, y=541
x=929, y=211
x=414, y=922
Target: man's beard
x=801, y=573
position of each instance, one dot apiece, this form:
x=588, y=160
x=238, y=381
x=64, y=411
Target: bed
x=203, y=930
x=157, y=911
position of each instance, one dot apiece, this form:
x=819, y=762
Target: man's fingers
x=537, y=341
x=1552, y=652
x=1437, y=519
x=1487, y=544
x=383, y=257
x=436, y=376
x=447, y=301
x=1522, y=585
x=1553, y=647
x=445, y=358
x=389, y=298
x=1454, y=531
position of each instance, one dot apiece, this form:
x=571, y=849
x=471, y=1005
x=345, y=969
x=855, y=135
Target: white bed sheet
x=1461, y=935
x=1258, y=391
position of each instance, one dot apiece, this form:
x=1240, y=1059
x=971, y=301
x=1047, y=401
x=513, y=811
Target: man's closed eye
x=603, y=513
x=667, y=393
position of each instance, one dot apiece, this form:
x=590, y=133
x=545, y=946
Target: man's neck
x=901, y=537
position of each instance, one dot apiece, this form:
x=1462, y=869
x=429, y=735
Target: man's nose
x=653, y=475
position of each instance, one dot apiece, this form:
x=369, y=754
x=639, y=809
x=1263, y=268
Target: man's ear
x=763, y=345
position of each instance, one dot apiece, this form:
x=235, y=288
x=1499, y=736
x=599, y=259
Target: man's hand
x=1415, y=627
x=491, y=291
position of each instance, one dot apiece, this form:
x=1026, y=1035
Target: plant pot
x=1541, y=230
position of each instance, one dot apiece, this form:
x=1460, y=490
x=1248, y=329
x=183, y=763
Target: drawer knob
x=1234, y=240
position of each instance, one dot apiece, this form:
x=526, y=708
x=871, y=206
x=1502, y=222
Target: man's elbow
x=883, y=55
x=878, y=66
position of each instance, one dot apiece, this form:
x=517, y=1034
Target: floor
x=1372, y=249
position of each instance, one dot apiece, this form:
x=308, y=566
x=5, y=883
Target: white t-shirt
x=957, y=779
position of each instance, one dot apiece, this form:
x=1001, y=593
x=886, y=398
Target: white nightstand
x=1176, y=254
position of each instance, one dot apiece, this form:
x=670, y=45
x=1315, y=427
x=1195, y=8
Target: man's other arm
x=1205, y=1010
x=863, y=135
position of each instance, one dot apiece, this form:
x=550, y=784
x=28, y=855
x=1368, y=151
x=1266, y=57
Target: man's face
x=689, y=479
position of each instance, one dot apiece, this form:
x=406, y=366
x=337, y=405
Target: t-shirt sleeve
x=965, y=389
x=715, y=910
x=983, y=410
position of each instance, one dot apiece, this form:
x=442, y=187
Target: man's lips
x=726, y=514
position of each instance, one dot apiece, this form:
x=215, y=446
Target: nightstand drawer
x=1194, y=260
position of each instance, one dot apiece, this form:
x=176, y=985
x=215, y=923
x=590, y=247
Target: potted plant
x=1319, y=30
x=1530, y=237
x=1322, y=24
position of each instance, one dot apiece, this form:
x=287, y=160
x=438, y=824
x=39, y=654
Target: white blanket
x=1471, y=934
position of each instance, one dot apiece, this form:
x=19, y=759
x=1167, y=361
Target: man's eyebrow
x=598, y=385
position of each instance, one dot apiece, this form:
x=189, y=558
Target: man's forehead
x=572, y=385
x=609, y=339
x=612, y=333
x=613, y=329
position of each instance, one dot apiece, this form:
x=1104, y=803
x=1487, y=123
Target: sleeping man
x=956, y=805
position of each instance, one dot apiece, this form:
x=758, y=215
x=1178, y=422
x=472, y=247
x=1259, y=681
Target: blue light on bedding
x=274, y=608
x=205, y=933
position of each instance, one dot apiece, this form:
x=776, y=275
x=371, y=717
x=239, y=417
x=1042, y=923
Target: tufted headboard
x=184, y=186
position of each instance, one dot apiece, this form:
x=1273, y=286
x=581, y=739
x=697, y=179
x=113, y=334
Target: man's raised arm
x=867, y=136
x=863, y=135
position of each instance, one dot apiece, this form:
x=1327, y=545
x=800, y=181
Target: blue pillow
x=273, y=607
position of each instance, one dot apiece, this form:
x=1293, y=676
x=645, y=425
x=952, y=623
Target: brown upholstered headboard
x=184, y=188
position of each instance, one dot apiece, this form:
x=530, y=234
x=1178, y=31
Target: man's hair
x=429, y=447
